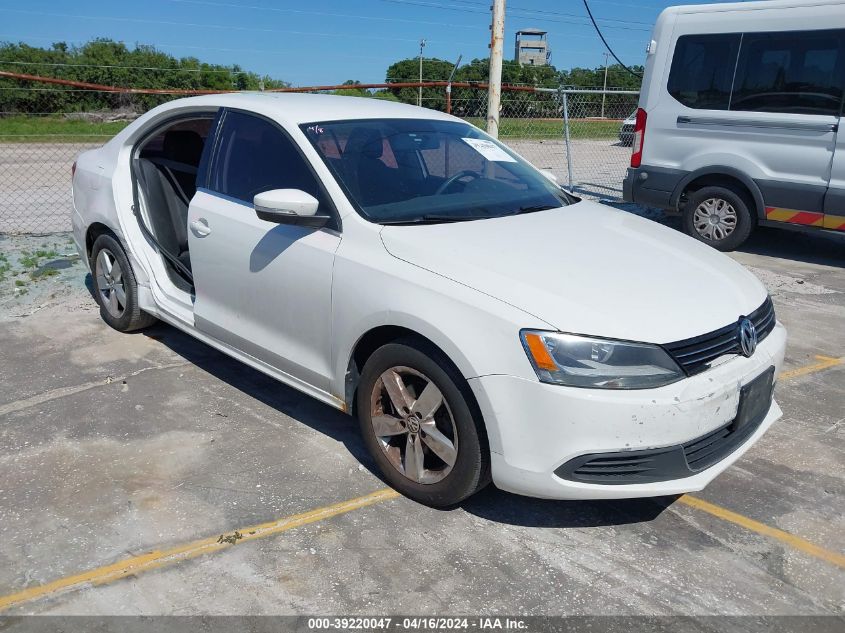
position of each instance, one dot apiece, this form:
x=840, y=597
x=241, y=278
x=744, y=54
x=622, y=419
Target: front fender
x=478, y=333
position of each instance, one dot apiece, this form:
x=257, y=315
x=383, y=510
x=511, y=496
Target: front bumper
x=535, y=428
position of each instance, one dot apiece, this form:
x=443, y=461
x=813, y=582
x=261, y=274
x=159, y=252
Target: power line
x=575, y=15
x=606, y=45
x=227, y=27
x=322, y=13
x=540, y=14
x=629, y=4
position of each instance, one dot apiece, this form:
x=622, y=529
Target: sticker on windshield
x=489, y=150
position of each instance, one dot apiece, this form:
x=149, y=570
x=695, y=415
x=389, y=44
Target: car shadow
x=825, y=248
x=89, y=286
x=503, y=507
x=491, y=504
x=270, y=392
x=275, y=242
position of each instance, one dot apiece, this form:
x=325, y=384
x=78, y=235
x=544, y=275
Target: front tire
x=719, y=217
x=416, y=417
x=115, y=287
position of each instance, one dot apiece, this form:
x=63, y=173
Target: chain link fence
x=598, y=132
x=578, y=135
x=35, y=172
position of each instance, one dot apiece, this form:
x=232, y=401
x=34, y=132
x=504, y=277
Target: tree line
x=104, y=61
x=470, y=102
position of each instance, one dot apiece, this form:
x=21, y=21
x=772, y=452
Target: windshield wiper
x=437, y=219
x=535, y=208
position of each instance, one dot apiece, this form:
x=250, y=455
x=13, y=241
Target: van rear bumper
x=652, y=186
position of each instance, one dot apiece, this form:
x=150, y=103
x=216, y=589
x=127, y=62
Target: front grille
x=695, y=354
x=626, y=468
x=661, y=464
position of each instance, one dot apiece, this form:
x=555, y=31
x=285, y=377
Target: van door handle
x=200, y=227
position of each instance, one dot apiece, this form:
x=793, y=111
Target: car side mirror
x=550, y=175
x=289, y=206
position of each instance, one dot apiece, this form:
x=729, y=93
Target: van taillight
x=73, y=170
x=639, y=137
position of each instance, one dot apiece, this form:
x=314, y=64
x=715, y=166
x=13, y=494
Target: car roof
x=298, y=108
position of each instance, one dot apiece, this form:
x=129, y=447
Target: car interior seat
x=376, y=183
x=169, y=183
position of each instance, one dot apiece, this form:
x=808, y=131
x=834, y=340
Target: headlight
x=581, y=361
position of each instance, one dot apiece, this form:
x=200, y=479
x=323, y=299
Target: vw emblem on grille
x=747, y=336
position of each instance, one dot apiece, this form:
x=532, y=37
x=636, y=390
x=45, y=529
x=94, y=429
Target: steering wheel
x=466, y=173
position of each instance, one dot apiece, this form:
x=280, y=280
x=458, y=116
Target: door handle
x=200, y=227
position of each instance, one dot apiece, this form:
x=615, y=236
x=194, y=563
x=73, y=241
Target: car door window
x=254, y=155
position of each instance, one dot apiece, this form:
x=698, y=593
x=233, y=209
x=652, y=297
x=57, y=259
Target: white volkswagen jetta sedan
x=399, y=264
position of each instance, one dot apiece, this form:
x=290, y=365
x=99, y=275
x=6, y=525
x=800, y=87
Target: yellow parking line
x=159, y=558
x=793, y=541
x=825, y=362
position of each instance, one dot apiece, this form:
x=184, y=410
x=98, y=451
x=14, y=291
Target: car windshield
x=414, y=171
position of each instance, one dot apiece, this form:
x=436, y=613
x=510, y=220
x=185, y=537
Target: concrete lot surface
x=113, y=446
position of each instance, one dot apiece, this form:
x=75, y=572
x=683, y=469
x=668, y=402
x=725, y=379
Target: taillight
x=639, y=137
x=73, y=170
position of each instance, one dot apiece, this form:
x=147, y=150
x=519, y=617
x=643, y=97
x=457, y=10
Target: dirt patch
x=39, y=271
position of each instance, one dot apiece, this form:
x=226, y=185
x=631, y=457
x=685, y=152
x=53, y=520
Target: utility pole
x=422, y=46
x=494, y=92
x=449, y=85
x=604, y=90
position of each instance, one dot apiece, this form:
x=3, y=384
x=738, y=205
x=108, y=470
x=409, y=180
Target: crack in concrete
x=63, y=392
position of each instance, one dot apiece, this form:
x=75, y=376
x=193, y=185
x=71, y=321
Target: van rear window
x=702, y=70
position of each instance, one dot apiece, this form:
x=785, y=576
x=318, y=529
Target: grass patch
x=553, y=128
x=34, y=129
x=33, y=260
x=43, y=272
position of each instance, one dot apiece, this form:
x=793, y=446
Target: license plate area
x=755, y=399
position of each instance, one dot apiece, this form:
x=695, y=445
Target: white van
x=739, y=118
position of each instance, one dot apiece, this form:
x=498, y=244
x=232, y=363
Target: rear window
x=702, y=70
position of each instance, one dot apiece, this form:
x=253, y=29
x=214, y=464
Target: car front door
x=262, y=288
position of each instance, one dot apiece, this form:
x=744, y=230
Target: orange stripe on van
x=793, y=216
x=835, y=222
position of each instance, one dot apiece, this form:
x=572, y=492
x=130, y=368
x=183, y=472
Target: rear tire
x=115, y=286
x=719, y=217
x=422, y=431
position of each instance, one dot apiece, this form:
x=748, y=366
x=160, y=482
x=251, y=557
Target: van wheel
x=115, y=287
x=719, y=217
x=418, y=424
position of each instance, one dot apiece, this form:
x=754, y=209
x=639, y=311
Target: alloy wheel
x=413, y=425
x=715, y=219
x=110, y=283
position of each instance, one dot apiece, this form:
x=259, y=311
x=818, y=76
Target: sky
x=322, y=42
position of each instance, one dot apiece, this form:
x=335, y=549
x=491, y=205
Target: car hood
x=588, y=269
